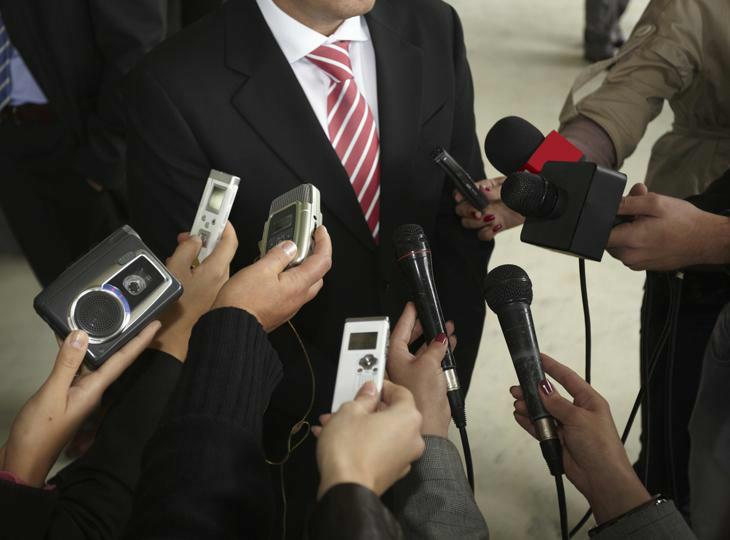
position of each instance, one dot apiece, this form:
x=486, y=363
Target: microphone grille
x=507, y=284
x=408, y=238
x=524, y=193
x=510, y=143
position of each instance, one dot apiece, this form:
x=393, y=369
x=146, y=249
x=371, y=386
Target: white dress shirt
x=297, y=41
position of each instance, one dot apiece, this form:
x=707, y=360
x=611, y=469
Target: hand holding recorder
x=378, y=461
x=269, y=291
x=201, y=285
x=594, y=458
x=49, y=420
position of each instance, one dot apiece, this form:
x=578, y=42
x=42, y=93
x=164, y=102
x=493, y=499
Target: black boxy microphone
x=414, y=258
x=570, y=204
x=508, y=292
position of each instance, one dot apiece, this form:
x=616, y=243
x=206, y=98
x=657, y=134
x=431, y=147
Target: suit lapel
x=400, y=76
x=272, y=101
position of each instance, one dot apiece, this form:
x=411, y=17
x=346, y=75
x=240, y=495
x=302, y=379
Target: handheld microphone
x=414, y=258
x=508, y=292
x=514, y=144
x=532, y=195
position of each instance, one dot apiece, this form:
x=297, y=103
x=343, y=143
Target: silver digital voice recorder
x=362, y=357
x=293, y=216
x=214, y=209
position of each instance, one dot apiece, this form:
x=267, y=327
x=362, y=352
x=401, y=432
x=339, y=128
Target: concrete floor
x=524, y=55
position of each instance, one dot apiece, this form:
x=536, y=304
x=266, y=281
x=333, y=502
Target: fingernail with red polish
x=485, y=188
x=498, y=228
x=441, y=338
x=546, y=387
x=488, y=218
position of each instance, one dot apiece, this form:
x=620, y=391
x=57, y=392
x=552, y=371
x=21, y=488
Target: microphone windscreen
x=409, y=238
x=524, y=193
x=505, y=285
x=510, y=144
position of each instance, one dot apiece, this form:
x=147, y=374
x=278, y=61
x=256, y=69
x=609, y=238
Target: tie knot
x=333, y=59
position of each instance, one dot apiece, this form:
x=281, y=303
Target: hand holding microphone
x=595, y=460
x=495, y=218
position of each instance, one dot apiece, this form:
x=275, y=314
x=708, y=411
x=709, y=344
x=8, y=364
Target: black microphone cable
x=669, y=328
x=562, y=506
x=467, y=457
x=586, y=316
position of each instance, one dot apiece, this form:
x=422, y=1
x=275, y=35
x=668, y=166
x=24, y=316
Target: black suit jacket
x=222, y=95
x=78, y=51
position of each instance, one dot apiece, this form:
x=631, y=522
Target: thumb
x=560, y=408
x=367, y=396
x=68, y=360
x=279, y=257
x=638, y=189
x=185, y=254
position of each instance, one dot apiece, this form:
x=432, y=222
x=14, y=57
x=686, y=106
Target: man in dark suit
x=61, y=120
x=352, y=98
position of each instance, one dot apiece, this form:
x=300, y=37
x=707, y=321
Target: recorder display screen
x=363, y=341
x=216, y=199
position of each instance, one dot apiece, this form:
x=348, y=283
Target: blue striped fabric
x=5, y=53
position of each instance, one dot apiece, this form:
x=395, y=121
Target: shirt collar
x=297, y=40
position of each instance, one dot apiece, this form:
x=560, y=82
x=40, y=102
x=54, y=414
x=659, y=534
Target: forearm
x=592, y=140
x=434, y=500
x=204, y=474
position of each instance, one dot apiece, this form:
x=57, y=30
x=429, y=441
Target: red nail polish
x=498, y=228
x=485, y=188
x=441, y=338
x=546, y=387
x=488, y=218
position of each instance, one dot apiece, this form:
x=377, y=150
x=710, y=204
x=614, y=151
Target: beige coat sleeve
x=658, y=62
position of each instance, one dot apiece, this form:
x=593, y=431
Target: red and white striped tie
x=352, y=129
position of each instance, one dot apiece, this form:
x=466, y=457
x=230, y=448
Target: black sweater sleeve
x=204, y=473
x=93, y=496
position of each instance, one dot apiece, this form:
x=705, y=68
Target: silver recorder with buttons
x=362, y=357
x=214, y=209
x=111, y=293
x=293, y=216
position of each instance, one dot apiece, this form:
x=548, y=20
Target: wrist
x=173, y=341
x=335, y=475
x=717, y=240
x=615, y=492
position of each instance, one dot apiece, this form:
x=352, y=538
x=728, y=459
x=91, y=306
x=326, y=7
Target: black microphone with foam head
x=533, y=195
x=508, y=292
x=500, y=147
x=414, y=258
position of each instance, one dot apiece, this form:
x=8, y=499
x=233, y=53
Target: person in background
x=92, y=497
x=62, y=125
x=603, y=36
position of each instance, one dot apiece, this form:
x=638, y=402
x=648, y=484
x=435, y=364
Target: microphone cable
x=467, y=456
x=586, y=316
x=669, y=328
x=562, y=506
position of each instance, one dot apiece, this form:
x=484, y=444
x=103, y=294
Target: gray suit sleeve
x=434, y=501
x=656, y=522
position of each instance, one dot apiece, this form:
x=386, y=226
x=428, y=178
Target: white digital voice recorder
x=362, y=357
x=215, y=207
x=293, y=216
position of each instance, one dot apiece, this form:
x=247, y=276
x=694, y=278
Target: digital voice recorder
x=463, y=182
x=214, y=209
x=362, y=357
x=293, y=216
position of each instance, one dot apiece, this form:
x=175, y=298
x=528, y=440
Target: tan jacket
x=678, y=52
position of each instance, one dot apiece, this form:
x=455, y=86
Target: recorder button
x=368, y=361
